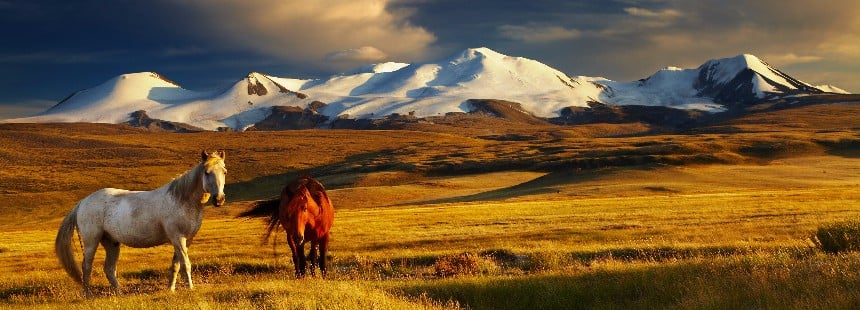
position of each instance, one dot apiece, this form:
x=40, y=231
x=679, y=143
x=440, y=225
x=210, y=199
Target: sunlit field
x=571, y=218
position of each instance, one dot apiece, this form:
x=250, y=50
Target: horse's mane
x=314, y=187
x=188, y=188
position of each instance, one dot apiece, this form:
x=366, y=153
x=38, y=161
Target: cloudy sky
x=52, y=48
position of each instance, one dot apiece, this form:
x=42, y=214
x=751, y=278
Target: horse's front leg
x=180, y=259
x=298, y=251
x=323, y=250
x=312, y=258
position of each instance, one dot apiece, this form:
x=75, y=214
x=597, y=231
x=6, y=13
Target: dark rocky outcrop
x=141, y=119
x=601, y=113
x=286, y=118
x=392, y=121
x=503, y=109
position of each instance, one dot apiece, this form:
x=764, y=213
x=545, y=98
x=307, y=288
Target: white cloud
x=361, y=54
x=789, y=59
x=537, y=33
x=307, y=31
x=662, y=14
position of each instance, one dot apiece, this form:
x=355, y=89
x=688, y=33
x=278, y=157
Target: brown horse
x=306, y=213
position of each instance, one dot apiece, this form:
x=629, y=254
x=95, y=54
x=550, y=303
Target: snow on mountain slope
x=107, y=103
x=427, y=89
x=241, y=105
x=832, y=89
x=745, y=78
x=436, y=88
x=671, y=87
x=710, y=87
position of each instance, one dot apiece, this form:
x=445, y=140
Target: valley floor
x=692, y=236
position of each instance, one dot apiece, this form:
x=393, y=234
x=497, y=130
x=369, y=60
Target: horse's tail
x=269, y=209
x=63, y=246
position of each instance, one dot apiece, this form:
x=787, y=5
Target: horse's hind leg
x=111, y=257
x=90, y=247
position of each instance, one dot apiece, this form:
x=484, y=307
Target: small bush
x=363, y=267
x=547, y=261
x=465, y=264
x=839, y=237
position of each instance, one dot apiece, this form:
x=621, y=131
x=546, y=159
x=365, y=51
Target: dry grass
x=424, y=218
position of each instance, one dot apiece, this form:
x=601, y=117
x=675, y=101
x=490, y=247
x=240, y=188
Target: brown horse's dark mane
x=306, y=182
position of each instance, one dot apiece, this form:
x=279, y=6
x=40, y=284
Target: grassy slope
x=690, y=234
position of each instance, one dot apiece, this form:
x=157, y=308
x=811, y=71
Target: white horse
x=172, y=213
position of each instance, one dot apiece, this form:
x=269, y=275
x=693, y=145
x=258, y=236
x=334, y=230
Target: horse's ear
x=222, y=154
x=204, y=155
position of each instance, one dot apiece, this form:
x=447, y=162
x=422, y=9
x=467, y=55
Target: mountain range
x=420, y=90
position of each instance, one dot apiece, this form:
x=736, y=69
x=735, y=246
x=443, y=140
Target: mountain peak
x=378, y=68
x=256, y=75
x=723, y=70
x=746, y=78
x=749, y=59
x=484, y=51
x=143, y=77
x=478, y=53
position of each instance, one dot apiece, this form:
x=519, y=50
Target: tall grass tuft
x=547, y=260
x=464, y=264
x=839, y=237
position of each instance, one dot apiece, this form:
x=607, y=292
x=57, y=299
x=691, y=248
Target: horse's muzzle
x=219, y=201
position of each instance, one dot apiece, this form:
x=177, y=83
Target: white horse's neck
x=187, y=189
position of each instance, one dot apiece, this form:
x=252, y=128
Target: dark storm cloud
x=628, y=40
x=784, y=33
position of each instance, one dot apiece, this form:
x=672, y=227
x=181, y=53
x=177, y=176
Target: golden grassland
x=598, y=216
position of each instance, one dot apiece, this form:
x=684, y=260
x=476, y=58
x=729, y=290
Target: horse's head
x=301, y=213
x=214, y=177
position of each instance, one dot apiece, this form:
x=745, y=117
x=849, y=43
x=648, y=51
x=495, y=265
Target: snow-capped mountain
x=115, y=100
x=713, y=86
x=435, y=88
x=745, y=78
x=426, y=89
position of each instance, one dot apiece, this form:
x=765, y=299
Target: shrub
x=465, y=264
x=547, y=261
x=839, y=237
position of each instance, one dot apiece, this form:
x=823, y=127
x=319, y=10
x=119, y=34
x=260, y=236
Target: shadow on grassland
x=337, y=175
x=545, y=184
x=845, y=147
